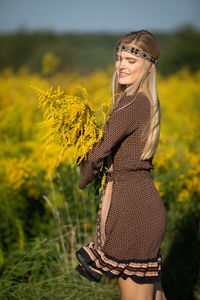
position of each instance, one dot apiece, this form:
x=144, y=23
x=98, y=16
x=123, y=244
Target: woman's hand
x=88, y=174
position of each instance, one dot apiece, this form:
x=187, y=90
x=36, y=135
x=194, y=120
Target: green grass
x=41, y=273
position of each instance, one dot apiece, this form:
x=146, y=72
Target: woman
x=132, y=219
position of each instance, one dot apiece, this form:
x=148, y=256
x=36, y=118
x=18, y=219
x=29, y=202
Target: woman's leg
x=158, y=292
x=130, y=290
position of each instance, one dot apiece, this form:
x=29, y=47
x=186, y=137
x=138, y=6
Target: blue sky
x=98, y=16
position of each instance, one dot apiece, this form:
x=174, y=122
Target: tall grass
x=45, y=218
x=46, y=269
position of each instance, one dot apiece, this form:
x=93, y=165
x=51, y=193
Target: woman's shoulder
x=137, y=99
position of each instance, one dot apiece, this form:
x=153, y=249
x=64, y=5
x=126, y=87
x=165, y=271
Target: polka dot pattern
x=132, y=219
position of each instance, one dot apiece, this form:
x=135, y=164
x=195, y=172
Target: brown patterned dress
x=132, y=219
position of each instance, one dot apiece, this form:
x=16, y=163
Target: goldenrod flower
x=70, y=121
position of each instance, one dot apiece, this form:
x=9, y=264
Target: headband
x=138, y=52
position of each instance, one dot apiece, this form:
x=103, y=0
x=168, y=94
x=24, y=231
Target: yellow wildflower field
x=177, y=161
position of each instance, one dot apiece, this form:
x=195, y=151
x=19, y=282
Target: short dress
x=132, y=219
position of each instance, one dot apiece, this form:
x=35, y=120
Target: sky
x=98, y=16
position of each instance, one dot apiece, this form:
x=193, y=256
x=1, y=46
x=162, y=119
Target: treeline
x=85, y=53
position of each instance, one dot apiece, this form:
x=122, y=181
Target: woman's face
x=128, y=66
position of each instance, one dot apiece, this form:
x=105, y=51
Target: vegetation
x=45, y=218
x=85, y=53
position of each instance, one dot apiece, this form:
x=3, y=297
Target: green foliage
x=38, y=273
x=43, y=202
x=85, y=53
x=179, y=49
x=181, y=264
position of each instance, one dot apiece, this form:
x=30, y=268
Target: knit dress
x=132, y=219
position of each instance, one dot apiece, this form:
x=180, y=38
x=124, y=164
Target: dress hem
x=94, y=266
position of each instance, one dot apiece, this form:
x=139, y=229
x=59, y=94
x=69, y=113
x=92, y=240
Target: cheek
x=135, y=69
x=117, y=65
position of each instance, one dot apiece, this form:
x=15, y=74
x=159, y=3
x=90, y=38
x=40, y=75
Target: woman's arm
x=120, y=124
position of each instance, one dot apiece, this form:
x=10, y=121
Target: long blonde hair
x=146, y=83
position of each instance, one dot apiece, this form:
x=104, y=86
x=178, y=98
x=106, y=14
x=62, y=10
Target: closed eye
x=130, y=61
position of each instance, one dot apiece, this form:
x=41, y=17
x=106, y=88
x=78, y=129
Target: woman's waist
x=128, y=164
x=136, y=174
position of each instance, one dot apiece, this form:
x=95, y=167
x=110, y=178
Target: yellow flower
x=70, y=121
x=183, y=195
x=49, y=63
x=158, y=186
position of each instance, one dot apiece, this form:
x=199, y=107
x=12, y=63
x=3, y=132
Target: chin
x=124, y=82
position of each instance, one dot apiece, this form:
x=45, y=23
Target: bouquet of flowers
x=71, y=122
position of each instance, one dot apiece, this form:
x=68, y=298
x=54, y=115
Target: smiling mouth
x=122, y=74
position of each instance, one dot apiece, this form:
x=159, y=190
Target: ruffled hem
x=94, y=263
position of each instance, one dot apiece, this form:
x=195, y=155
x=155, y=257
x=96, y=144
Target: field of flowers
x=45, y=218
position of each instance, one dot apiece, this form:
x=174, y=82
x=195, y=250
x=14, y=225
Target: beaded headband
x=138, y=52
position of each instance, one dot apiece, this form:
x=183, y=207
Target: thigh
x=130, y=290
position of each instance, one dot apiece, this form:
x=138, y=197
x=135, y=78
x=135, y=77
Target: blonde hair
x=146, y=83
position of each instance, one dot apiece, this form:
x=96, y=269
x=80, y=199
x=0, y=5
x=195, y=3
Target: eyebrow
x=128, y=57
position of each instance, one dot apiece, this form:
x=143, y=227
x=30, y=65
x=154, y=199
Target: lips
x=123, y=74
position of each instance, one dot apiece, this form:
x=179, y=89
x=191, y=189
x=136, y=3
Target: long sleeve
x=121, y=123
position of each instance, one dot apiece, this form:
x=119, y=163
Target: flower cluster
x=70, y=121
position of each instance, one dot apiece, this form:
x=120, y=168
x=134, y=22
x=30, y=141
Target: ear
x=151, y=68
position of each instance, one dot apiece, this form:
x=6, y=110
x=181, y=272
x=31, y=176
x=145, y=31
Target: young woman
x=132, y=219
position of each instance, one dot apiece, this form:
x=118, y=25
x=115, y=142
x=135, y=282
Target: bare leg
x=130, y=290
x=158, y=292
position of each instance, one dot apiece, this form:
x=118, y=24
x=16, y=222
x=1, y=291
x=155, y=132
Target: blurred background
x=83, y=34
x=45, y=218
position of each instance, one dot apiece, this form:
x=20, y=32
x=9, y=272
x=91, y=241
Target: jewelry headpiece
x=138, y=52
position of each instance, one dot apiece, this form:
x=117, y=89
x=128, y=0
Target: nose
x=122, y=64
